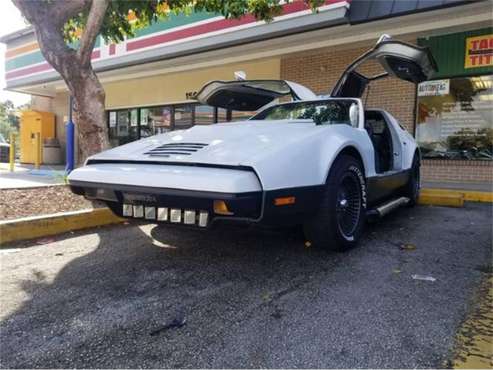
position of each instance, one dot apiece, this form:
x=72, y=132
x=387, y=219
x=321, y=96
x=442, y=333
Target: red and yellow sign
x=479, y=51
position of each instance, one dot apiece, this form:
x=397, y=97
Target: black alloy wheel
x=339, y=221
x=348, y=206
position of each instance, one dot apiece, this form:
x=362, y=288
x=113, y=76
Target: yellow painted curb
x=38, y=226
x=446, y=200
x=474, y=339
x=469, y=196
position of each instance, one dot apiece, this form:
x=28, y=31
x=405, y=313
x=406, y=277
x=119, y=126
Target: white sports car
x=324, y=162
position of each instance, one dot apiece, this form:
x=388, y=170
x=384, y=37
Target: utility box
x=33, y=122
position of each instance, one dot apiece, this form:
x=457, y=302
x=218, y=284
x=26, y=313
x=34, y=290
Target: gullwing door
x=250, y=95
x=399, y=59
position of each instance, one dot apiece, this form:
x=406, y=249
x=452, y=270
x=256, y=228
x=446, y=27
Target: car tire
x=340, y=218
x=412, y=188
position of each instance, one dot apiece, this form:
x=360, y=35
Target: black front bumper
x=251, y=207
x=244, y=206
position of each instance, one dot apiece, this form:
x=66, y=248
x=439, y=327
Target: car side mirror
x=354, y=115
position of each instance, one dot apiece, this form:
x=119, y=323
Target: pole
x=37, y=146
x=12, y=152
x=69, y=129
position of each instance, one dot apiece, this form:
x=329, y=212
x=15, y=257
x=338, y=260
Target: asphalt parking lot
x=146, y=296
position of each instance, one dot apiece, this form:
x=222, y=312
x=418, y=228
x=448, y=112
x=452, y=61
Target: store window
x=183, y=117
x=126, y=125
x=123, y=126
x=237, y=115
x=204, y=115
x=222, y=115
x=455, y=118
x=155, y=120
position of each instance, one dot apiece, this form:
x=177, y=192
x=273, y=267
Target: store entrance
x=122, y=127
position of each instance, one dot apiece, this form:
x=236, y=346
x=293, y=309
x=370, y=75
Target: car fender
x=366, y=154
x=308, y=162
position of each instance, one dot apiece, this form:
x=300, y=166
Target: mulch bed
x=17, y=203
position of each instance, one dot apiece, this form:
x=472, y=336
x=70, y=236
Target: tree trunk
x=74, y=66
x=89, y=113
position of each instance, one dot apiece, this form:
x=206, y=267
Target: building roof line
x=16, y=34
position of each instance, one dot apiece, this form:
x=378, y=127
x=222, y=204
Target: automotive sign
x=434, y=88
x=479, y=51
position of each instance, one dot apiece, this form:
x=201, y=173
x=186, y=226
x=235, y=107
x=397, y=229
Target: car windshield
x=328, y=112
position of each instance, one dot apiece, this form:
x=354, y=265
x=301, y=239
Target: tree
x=8, y=114
x=61, y=23
x=9, y=122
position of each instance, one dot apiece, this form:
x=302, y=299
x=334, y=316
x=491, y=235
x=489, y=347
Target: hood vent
x=166, y=150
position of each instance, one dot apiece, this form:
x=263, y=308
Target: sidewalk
x=26, y=176
x=481, y=186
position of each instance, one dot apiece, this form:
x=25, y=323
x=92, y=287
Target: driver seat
x=375, y=140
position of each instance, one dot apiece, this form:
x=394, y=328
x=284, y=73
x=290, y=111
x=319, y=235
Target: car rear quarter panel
x=408, y=146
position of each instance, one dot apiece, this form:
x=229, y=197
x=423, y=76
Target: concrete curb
x=58, y=223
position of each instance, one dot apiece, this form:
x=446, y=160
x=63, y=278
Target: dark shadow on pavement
x=155, y=297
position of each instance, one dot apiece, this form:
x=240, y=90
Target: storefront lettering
x=190, y=95
x=479, y=51
x=434, y=88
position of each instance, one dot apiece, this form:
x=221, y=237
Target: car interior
x=381, y=137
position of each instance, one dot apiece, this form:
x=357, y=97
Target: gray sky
x=10, y=21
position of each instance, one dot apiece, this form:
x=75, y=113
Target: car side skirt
x=382, y=187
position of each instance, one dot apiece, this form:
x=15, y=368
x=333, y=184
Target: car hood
x=232, y=144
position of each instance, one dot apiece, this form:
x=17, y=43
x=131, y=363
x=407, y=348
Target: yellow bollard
x=37, y=148
x=12, y=152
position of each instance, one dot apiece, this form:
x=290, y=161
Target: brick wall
x=320, y=70
x=457, y=171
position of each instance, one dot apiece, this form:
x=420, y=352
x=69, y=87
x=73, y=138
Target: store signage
x=190, y=95
x=479, y=51
x=434, y=88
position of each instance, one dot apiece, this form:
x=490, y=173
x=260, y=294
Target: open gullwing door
x=250, y=95
x=399, y=59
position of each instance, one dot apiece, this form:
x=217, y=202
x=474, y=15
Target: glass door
x=123, y=127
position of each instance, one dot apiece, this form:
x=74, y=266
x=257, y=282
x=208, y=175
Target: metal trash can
x=52, y=152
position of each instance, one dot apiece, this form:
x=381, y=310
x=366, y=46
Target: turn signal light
x=284, y=201
x=221, y=208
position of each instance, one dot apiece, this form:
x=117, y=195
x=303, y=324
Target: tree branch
x=66, y=9
x=94, y=21
x=58, y=11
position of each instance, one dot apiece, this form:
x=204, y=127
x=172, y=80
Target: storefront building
x=454, y=118
x=150, y=80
